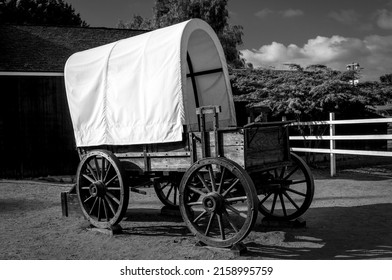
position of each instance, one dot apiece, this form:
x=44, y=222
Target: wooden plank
x=231, y=145
x=265, y=145
x=344, y=137
x=355, y=121
x=170, y=164
x=227, y=138
x=345, y=152
x=160, y=163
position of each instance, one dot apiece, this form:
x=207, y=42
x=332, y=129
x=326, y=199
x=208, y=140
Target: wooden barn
x=36, y=136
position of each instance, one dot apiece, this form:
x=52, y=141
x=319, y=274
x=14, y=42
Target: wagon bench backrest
x=146, y=88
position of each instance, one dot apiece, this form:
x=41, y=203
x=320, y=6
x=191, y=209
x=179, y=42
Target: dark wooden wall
x=36, y=136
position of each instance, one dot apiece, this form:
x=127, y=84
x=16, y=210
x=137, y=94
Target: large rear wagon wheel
x=226, y=206
x=287, y=191
x=102, y=192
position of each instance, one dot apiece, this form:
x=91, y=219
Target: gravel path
x=349, y=219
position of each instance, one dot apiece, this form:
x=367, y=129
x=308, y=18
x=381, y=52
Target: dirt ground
x=350, y=218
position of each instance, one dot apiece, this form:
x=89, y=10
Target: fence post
x=332, y=145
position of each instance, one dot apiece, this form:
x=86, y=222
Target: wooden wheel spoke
x=169, y=192
x=235, y=199
x=291, y=173
x=274, y=203
x=103, y=162
x=212, y=178
x=107, y=172
x=99, y=208
x=291, y=200
x=88, y=198
x=105, y=210
x=175, y=195
x=92, y=171
x=200, y=216
x=296, y=192
x=115, y=199
x=110, y=205
x=298, y=182
x=283, y=205
x=111, y=180
x=164, y=186
x=221, y=182
x=265, y=198
x=231, y=187
x=92, y=207
x=196, y=190
x=234, y=210
x=99, y=175
x=221, y=228
x=203, y=182
x=209, y=224
x=283, y=171
x=233, y=226
x=88, y=178
x=194, y=203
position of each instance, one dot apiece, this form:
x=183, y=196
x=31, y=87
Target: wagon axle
x=97, y=189
x=213, y=202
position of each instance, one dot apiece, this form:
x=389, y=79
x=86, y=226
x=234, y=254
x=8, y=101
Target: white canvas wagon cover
x=143, y=89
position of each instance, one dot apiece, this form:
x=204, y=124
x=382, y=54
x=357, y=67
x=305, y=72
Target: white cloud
x=373, y=53
x=384, y=19
x=289, y=13
x=345, y=16
x=264, y=13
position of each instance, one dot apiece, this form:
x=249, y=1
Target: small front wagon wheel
x=102, y=192
x=226, y=206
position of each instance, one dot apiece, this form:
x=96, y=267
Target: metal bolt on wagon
x=158, y=109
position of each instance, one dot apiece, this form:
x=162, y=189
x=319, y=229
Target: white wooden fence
x=332, y=138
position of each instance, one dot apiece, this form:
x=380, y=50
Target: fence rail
x=332, y=138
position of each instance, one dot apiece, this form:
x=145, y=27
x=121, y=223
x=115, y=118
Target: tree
x=137, y=22
x=318, y=68
x=53, y=12
x=214, y=12
x=386, y=79
x=294, y=67
x=308, y=95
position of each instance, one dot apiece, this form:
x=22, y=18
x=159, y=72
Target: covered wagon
x=157, y=109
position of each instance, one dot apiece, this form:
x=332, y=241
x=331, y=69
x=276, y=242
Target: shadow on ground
x=361, y=232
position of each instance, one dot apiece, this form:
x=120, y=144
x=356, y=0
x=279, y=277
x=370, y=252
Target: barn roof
x=25, y=48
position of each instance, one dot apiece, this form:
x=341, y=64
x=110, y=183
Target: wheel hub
x=97, y=189
x=213, y=202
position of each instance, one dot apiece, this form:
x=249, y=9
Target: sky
x=276, y=32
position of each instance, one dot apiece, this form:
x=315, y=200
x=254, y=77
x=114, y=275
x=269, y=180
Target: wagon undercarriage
x=219, y=197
